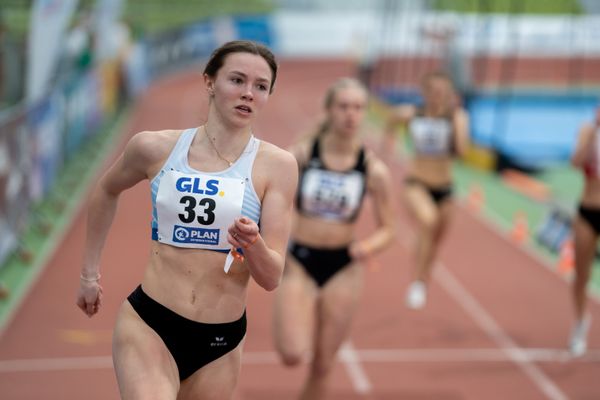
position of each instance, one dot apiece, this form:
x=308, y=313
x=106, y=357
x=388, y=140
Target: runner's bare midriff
x=433, y=171
x=192, y=283
x=322, y=234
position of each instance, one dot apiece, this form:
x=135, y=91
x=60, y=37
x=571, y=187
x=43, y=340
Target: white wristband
x=95, y=279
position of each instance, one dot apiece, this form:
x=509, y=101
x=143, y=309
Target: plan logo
x=181, y=234
x=185, y=234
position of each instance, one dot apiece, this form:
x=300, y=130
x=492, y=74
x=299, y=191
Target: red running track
x=495, y=327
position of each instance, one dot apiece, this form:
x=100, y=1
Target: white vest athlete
x=431, y=136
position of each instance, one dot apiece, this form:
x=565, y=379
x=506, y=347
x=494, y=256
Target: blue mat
x=534, y=130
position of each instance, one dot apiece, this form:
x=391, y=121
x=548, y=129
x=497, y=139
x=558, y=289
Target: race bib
x=196, y=210
x=431, y=135
x=331, y=194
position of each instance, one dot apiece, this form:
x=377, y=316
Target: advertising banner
x=109, y=35
x=49, y=22
x=46, y=126
x=83, y=109
x=15, y=170
x=257, y=28
x=178, y=48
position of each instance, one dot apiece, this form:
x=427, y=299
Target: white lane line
x=349, y=357
x=55, y=364
x=372, y=356
x=485, y=321
x=494, y=331
x=470, y=355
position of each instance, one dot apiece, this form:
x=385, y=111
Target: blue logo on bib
x=188, y=184
x=184, y=234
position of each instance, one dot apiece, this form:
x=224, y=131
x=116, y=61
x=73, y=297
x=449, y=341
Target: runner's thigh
x=144, y=366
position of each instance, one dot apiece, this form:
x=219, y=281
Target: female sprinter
x=179, y=335
x=586, y=228
x=439, y=131
x=322, y=282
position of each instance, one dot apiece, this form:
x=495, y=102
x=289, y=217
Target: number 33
x=208, y=205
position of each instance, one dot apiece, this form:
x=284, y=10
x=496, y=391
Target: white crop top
x=193, y=209
x=432, y=136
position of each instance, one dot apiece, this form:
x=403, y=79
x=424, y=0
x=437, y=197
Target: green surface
x=566, y=184
x=52, y=217
x=510, y=6
x=147, y=16
x=156, y=16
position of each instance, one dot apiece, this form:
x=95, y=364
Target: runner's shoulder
x=275, y=158
x=152, y=146
x=377, y=170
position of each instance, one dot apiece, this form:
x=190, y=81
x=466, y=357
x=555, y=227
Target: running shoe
x=578, y=342
x=416, y=297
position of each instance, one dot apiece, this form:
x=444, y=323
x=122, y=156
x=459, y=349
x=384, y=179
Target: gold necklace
x=215, y=148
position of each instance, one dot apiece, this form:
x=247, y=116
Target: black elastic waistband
x=151, y=310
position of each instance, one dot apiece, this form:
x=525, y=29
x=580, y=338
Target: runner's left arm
x=461, y=129
x=264, y=251
x=379, y=184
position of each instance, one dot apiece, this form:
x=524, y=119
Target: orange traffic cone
x=566, y=258
x=520, y=229
x=475, y=198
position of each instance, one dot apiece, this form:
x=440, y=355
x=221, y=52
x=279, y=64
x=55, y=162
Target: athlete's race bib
x=330, y=194
x=431, y=136
x=195, y=210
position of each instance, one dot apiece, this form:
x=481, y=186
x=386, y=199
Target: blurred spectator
x=78, y=51
x=122, y=36
x=132, y=58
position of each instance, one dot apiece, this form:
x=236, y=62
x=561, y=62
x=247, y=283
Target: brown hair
x=431, y=75
x=453, y=99
x=217, y=58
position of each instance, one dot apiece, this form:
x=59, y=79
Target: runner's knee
x=291, y=358
x=322, y=366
